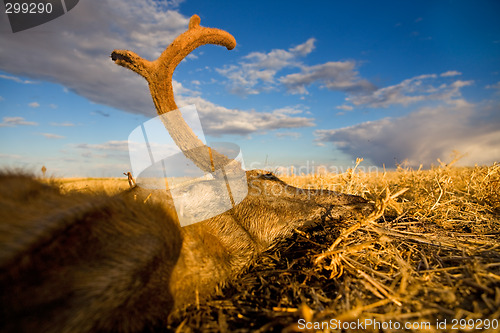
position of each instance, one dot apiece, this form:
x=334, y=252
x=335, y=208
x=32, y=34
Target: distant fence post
x=131, y=181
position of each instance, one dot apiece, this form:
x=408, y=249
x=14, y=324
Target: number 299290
x=28, y=8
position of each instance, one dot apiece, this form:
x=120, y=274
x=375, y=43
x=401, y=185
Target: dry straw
x=430, y=252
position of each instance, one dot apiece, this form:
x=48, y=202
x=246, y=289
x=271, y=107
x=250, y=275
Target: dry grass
x=109, y=186
x=430, y=252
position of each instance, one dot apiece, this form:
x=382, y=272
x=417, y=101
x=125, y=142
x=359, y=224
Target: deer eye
x=268, y=176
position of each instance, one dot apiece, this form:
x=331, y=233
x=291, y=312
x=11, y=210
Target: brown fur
x=86, y=263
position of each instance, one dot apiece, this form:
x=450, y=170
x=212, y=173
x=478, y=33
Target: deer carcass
x=79, y=262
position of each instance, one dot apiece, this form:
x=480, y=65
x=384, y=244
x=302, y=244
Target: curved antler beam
x=159, y=73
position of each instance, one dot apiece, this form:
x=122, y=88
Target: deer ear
x=194, y=22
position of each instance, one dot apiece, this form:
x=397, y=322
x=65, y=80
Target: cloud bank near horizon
x=425, y=135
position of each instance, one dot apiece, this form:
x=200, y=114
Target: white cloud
x=495, y=86
x=334, y=75
x=66, y=124
x=257, y=72
x=117, y=150
x=345, y=107
x=293, y=135
x=34, y=104
x=52, y=136
x=424, y=135
x=305, y=48
x=75, y=49
x=218, y=120
x=16, y=121
x=258, y=68
x=1, y=98
x=416, y=89
x=114, y=145
x=181, y=91
x=450, y=73
x=16, y=79
x=10, y=156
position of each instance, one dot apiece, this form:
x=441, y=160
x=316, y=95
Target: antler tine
x=132, y=61
x=159, y=73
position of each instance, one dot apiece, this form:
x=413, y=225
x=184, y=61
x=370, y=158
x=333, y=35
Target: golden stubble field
x=428, y=256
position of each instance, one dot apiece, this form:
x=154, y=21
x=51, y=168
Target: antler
x=159, y=73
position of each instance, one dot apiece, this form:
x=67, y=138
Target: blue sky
x=310, y=84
